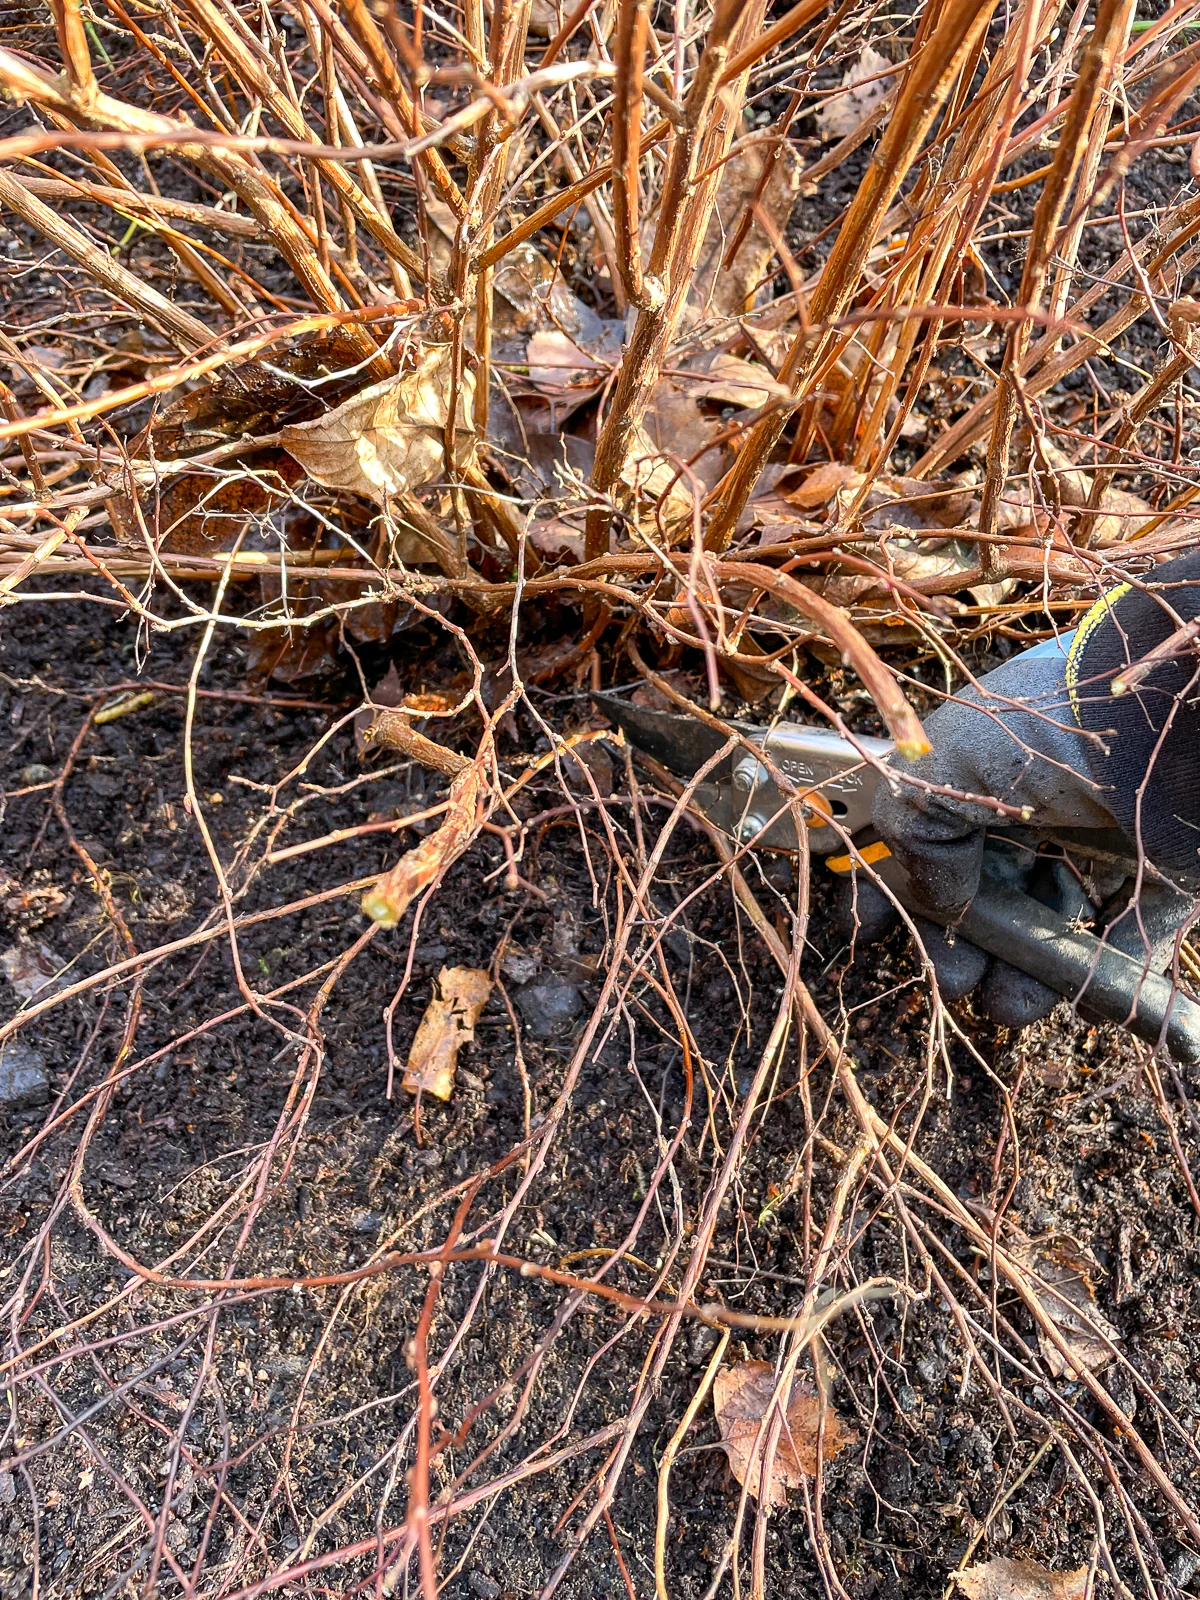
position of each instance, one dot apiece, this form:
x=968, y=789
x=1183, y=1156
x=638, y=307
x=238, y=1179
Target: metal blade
x=682, y=743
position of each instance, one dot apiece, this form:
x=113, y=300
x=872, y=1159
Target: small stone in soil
x=118, y=1177
x=1183, y=1568
x=930, y=1371
x=486, y=1588
x=520, y=965
x=550, y=1009
x=24, y=1080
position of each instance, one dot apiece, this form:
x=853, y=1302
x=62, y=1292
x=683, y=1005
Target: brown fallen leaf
x=1122, y=514
x=1066, y=1293
x=823, y=483
x=754, y=684
x=674, y=422
x=654, y=490
x=390, y=439
x=730, y=291
x=1060, y=482
x=733, y=381
x=1002, y=1579
x=459, y=995
x=555, y=360
x=742, y=1395
x=545, y=18
x=253, y=397
x=555, y=539
x=196, y=513
x=911, y=503
x=530, y=291
x=292, y=655
x=532, y=295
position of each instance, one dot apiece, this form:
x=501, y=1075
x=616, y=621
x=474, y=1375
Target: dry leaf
x=532, y=295
x=545, y=19
x=732, y=290
x=819, y=488
x=741, y=1398
x=530, y=292
x=1067, y=1296
x=1124, y=513
x=674, y=422
x=553, y=538
x=390, y=439
x=863, y=87
x=555, y=359
x=935, y=566
x=291, y=655
x=1002, y=1579
x=912, y=503
x=200, y=512
x=659, y=490
x=732, y=381
x=33, y=970
x=460, y=994
x=754, y=684
x=1060, y=481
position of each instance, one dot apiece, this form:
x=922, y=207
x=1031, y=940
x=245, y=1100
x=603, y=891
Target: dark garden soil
x=294, y=1408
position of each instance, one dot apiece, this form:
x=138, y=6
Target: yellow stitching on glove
x=1098, y=614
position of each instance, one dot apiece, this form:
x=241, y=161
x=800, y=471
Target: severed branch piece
x=392, y=894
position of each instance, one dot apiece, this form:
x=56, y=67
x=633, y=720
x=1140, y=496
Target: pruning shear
x=835, y=782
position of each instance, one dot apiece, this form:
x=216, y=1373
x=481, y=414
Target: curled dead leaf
x=196, y=513
x=390, y=439
x=1002, y=1579
x=655, y=486
x=733, y=381
x=459, y=996
x=742, y=1397
x=1063, y=1283
x=823, y=483
x=674, y=421
x=555, y=360
x=731, y=290
x=33, y=969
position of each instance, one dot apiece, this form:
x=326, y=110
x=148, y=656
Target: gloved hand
x=1046, y=732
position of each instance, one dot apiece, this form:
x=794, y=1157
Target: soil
x=283, y=1412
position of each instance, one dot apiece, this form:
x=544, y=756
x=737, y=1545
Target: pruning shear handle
x=834, y=779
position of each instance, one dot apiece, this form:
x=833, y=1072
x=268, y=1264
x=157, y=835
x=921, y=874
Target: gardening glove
x=1046, y=732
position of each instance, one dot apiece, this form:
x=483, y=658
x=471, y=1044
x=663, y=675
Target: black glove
x=1022, y=736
